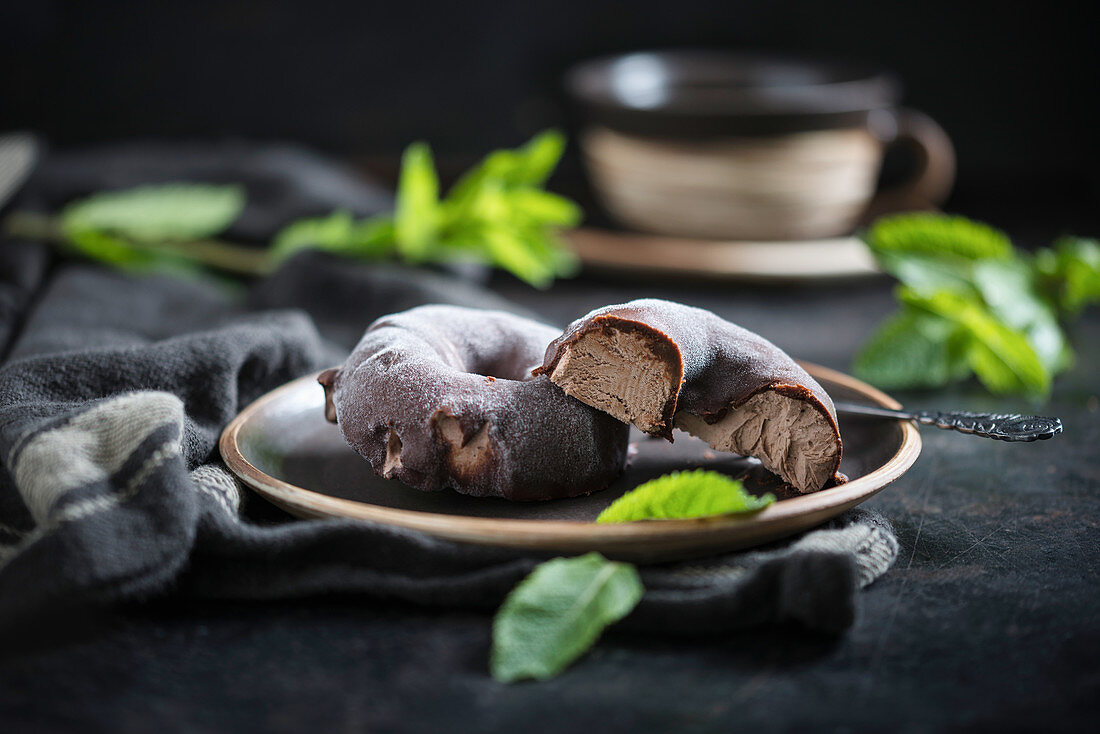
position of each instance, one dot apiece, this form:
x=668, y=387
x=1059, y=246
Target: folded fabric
x=114, y=389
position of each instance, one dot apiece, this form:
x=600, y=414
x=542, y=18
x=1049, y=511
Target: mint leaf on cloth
x=557, y=613
x=175, y=212
x=915, y=349
x=683, y=494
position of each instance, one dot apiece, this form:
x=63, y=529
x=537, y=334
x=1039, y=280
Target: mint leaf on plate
x=557, y=613
x=684, y=494
x=175, y=212
x=915, y=349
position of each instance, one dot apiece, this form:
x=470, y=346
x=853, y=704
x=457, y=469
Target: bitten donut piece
x=443, y=397
x=660, y=365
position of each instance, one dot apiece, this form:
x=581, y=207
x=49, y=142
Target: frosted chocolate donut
x=443, y=397
x=661, y=365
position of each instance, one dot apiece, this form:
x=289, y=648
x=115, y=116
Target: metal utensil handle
x=999, y=426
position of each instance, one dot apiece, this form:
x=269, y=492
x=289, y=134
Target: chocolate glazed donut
x=442, y=396
x=661, y=365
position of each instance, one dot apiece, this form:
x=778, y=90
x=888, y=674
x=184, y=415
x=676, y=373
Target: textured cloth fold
x=114, y=389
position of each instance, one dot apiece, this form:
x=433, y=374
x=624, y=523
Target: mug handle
x=934, y=176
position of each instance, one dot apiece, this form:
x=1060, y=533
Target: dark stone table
x=989, y=620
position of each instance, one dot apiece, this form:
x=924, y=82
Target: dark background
x=988, y=622
x=1013, y=83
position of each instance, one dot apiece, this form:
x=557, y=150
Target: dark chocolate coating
x=717, y=364
x=434, y=371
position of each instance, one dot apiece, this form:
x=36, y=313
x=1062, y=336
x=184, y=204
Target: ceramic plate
x=795, y=261
x=283, y=448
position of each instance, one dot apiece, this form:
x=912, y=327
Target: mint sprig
x=497, y=214
x=971, y=304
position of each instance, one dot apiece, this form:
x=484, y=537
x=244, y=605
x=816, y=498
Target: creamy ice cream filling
x=790, y=437
x=617, y=372
x=621, y=373
x=465, y=456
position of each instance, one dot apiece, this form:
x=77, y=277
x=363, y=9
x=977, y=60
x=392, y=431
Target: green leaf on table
x=1070, y=270
x=339, y=233
x=557, y=613
x=930, y=273
x=915, y=349
x=684, y=494
x=1002, y=358
x=417, y=216
x=174, y=212
x=1008, y=288
x=937, y=235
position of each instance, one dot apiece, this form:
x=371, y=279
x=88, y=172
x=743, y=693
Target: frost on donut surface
x=662, y=365
x=443, y=397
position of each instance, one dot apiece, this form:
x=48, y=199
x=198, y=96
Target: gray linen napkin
x=114, y=389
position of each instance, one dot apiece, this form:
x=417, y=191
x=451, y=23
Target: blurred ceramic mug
x=731, y=146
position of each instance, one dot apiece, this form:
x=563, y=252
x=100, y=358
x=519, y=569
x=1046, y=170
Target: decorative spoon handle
x=1000, y=426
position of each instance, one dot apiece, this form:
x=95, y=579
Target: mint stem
x=225, y=256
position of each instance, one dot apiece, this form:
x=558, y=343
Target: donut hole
x=626, y=373
x=505, y=362
x=790, y=437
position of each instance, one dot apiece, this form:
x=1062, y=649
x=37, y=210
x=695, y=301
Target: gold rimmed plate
x=282, y=447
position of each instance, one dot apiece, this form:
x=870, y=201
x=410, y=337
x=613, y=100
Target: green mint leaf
x=683, y=494
x=930, y=273
x=915, y=349
x=1002, y=358
x=339, y=233
x=548, y=245
x=538, y=159
x=1070, y=273
x=130, y=257
x=528, y=166
x=174, y=212
x=1008, y=287
x=508, y=250
x=416, y=218
x=541, y=208
x=557, y=613
x=937, y=235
